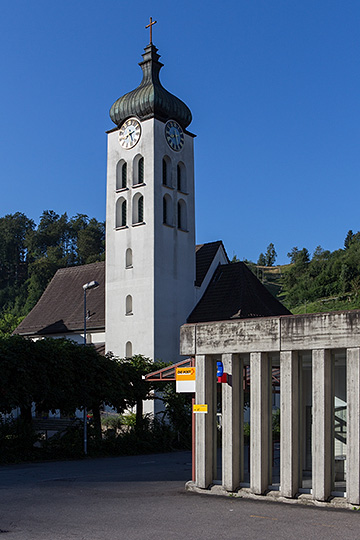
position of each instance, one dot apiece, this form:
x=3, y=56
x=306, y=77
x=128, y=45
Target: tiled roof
x=235, y=293
x=60, y=308
x=205, y=254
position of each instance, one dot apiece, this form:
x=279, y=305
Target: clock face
x=174, y=135
x=129, y=133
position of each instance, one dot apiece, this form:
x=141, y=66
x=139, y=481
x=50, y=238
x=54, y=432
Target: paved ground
x=143, y=498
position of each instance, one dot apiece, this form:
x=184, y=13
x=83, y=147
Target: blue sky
x=273, y=86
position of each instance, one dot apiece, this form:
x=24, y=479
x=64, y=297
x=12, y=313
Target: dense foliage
x=59, y=375
x=30, y=256
x=325, y=281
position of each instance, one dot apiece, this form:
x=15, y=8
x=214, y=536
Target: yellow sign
x=185, y=374
x=200, y=408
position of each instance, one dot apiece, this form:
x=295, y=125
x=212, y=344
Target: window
x=123, y=214
x=181, y=177
x=121, y=174
x=129, y=305
x=166, y=171
x=128, y=349
x=124, y=175
x=167, y=210
x=138, y=208
x=178, y=176
x=128, y=258
x=120, y=218
x=138, y=170
x=181, y=215
x=141, y=209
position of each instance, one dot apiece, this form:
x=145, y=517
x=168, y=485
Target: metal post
x=85, y=408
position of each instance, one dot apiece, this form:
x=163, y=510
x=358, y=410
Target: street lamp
x=86, y=287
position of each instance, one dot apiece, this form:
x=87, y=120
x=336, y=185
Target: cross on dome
x=150, y=25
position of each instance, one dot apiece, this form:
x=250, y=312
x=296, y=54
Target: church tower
x=150, y=219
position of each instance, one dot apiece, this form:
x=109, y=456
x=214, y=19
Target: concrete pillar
x=322, y=428
x=232, y=423
x=205, y=423
x=353, y=426
x=289, y=423
x=260, y=408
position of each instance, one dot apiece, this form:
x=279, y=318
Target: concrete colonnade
x=228, y=341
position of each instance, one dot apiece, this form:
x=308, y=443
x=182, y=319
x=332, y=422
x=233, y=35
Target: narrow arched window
x=128, y=349
x=121, y=174
x=120, y=214
x=181, y=215
x=178, y=176
x=138, y=209
x=138, y=170
x=167, y=210
x=181, y=177
x=128, y=258
x=123, y=214
x=164, y=172
x=141, y=170
x=124, y=175
x=141, y=209
x=129, y=305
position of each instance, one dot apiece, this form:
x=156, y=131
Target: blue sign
x=220, y=369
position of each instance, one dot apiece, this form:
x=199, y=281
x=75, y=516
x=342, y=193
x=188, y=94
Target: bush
x=17, y=440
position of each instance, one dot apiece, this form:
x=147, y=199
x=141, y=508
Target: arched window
x=181, y=177
x=120, y=218
x=128, y=349
x=141, y=170
x=128, y=258
x=138, y=208
x=138, y=170
x=121, y=174
x=166, y=170
x=129, y=305
x=181, y=215
x=167, y=210
x=141, y=209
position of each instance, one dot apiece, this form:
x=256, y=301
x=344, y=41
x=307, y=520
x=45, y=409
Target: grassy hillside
x=273, y=279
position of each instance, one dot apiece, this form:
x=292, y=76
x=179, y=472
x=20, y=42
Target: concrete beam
x=232, y=423
x=270, y=334
x=260, y=451
x=205, y=454
x=289, y=423
x=322, y=428
x=353, y=426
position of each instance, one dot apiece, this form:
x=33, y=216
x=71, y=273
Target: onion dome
x=150, y=99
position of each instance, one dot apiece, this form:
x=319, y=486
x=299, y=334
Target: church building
x=155, y=278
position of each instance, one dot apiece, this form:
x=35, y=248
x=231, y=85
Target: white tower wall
x=161, y=279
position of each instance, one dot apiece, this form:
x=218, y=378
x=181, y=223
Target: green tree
x=348, y=239
x=91, y=242
x=270, y=255
x=261, y=260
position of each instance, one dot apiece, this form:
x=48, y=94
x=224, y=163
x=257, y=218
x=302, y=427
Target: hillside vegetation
x=30, y=256
x=327, y=281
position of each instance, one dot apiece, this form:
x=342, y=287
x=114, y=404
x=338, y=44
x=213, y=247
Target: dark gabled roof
x=205, y=254
x=60, y=308
x=235, y=293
